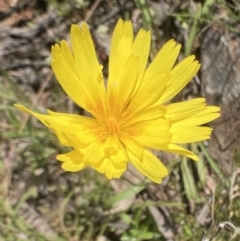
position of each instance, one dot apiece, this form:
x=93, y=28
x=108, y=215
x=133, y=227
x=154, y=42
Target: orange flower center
x=112, y=125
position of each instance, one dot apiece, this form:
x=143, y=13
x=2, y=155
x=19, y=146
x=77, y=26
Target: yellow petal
x=191, y=113
x=180, y=150
x=155, y=134
x=88, y=69
x=45, y=119
x=110, y=169
x=84, y=54
x=78, y=136
x=79, y=75
x=141, y=47
x=149, y=93
x=121, y=45
x=94, y=153
x=72, y=161
x=163, y=62
x=65, y=139
x=111, y=144
x=189, y=134
x=120, y=156
x=181, y=76
x=150, y=166
x=113, y=167
x=180, y=111
x=64, y=68
x=71, y=130
x=208, y=114
x=71, y=118
x=132, y=144
x=149, y=113
x=84, y=128
x=122, y=92
x=130, y=63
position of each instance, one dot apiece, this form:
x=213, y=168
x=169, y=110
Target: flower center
x=112, y=125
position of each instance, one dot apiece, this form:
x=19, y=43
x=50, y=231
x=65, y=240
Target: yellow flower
x=128, y=115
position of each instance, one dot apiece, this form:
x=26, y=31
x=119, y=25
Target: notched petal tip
x=74, y=27
x=122, y=22
x=63, y=43
x=85, y=27
x=172, y=45
x=56, y=52
x=214, y=108
x=144, y=32
x=77, y=30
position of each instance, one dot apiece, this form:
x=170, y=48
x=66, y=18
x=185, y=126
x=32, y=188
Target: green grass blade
x=188, y=181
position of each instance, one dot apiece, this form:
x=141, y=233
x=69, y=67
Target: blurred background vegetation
x=39, y=201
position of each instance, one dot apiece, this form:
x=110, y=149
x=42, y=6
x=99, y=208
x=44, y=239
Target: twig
x=91, y=10
x=213, y=202
x=215, y=234
x=225, y=226
x=233, y=180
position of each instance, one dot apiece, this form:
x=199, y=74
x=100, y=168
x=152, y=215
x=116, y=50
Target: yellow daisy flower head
x=128, y=114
